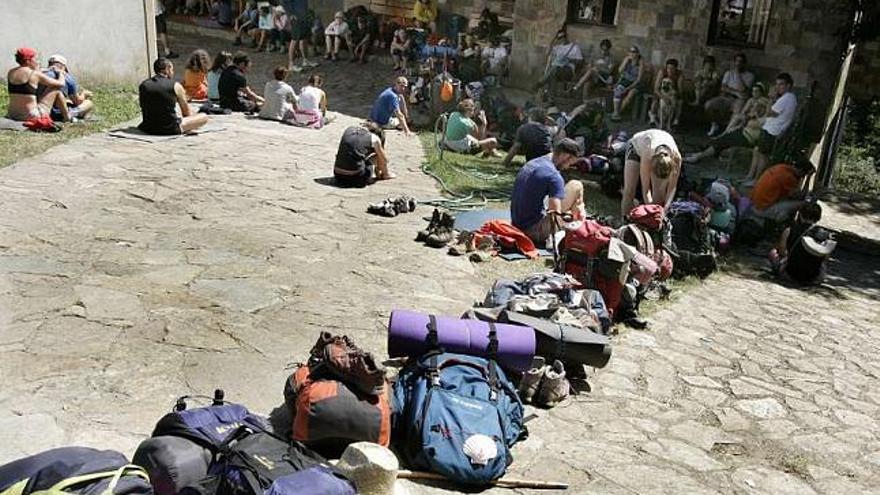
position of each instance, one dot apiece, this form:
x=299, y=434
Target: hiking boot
x=531, y=379
x=554, y=386
x=384, y=208
x=404, y=204
x=342, y=358
x=444, y=232
x=432, y=225
x=464, y=244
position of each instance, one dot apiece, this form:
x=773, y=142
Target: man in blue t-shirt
x=540, y=179
x=77, y=102
x=390, y=111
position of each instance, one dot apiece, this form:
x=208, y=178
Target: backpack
x=210, y=426
x=259, y=463
x=585, y=257
x=694, y=254
x=74, y=470
x=456, y=415
x=328, y=414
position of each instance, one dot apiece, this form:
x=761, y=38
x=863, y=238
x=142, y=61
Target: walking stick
x=500, y=483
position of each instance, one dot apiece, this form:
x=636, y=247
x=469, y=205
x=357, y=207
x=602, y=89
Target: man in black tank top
x=158, y=97
x=361, y=155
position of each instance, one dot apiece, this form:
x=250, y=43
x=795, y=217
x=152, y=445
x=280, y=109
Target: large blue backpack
x=442, y=399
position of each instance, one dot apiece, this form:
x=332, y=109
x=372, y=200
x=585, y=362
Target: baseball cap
x=58, y=59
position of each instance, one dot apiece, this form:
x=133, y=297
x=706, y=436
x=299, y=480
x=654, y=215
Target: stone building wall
x=802, y=37
x=864, y=80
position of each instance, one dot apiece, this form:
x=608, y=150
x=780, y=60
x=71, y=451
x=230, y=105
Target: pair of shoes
x=391, y=207
x=345, y=360
x=543, y=384
x=439, y=232
x=464, y=244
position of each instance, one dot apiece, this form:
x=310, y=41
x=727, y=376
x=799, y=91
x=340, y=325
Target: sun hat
x=373, y=469
x=58, y=59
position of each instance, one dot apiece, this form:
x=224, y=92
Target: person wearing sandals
x=361, y=158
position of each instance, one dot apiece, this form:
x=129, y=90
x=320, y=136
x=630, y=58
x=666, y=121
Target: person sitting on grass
x=246, y=24
x=777, y=193
x=539, y=180
x=464, y=135
x=389, y=110
x=803, y=248
x=77, y=102
x=361, y=158
x=280, y=98
x=630, y=75
x=533, y=139
x=652, y=165
x=195, y=75
x=599, y=73
x=159, y=98
x=221, y=61
x=22, y=85
x=235, y=94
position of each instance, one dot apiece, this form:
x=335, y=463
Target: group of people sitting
x=39, y=94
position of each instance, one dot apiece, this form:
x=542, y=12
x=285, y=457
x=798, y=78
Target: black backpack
x=692, y=250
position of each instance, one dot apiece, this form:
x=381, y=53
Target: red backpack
x=585, y=257
x=648, y=217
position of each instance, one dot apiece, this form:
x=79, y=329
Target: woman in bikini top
x=22, y=86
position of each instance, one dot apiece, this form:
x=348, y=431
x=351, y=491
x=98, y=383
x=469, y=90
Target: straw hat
x=372, y=468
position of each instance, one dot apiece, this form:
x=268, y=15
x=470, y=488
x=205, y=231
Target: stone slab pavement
x=132, y=273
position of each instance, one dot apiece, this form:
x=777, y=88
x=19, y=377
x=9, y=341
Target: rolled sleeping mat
x=564, y=342
x=172, y=463
x=408, y=336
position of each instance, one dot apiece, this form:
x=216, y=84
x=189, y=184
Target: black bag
x=693, y=252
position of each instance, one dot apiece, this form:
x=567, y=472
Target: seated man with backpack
x=540, y=179
x=803, y=248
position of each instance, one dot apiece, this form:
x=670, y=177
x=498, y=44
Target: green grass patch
x=465, y=175
x=114, y=105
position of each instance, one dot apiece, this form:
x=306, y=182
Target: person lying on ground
x=334, y=34
x=464, y=135
x=77, y=102
x=600, y=72
x=777, y=193
x=803, y=248
x=562, y=61
x=160, y=96
x=652, y=165
x=533, y=139
x=389, y=110
x=539, y=180
x=362, y=39
x=736, y=86
x=630, y=76
x=401, y=48
x=361, y=157
x=779, y=119
x=707, y=81
x=280, y=98
x=755, y=108
x=221, y=61
x=247, y=24
x=311, y=110
x=235, y=94
x=741, y=136
x=673, y=74
x=425, y=12
x=162, y=30
x=22, y=84
x=195, y=75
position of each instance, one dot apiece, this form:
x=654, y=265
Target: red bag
x=585, y=249
x=43, y=123
x=328, y=415
x=649, y=217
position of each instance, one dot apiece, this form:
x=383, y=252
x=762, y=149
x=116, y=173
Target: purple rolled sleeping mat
x=408, y=336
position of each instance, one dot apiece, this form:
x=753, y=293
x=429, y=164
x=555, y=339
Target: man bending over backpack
x=803, y=248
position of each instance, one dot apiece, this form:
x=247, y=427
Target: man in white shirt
x=778, y=120
x=494, y=58
x=736, y=88
x=562, y=61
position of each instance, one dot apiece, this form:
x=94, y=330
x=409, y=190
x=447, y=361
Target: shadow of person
x=328, y=181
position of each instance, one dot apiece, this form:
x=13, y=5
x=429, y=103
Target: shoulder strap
x=433, y=338
x=492, y=349
x=115, y=476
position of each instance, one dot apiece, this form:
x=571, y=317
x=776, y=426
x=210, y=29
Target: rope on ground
x=459, y=201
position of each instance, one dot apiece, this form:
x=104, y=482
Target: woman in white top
x=221, y=61
x=312, y=103
x=654, y=162
x=280, y=98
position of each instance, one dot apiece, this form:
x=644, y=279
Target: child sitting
x=722, y=220
x=803, y=248
x=753, y=112
x=195, y=77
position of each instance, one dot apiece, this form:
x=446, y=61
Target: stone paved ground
x=132, y=273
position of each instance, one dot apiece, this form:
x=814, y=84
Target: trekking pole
x=500, y=483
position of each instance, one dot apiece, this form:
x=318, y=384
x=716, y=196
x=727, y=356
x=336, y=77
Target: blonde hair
x=662, y=162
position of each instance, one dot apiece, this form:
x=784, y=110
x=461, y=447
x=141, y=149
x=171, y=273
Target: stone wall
x=801, y=37
x=864, y=80
x=103, y=41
